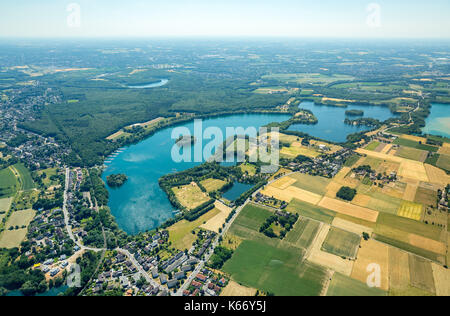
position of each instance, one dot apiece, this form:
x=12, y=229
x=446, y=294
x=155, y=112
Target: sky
x=225, y=18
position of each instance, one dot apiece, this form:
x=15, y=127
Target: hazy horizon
x=326, y=19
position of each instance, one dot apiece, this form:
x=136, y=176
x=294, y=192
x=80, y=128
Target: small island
x=116, y=180
x=354, y=113
x=186, y=141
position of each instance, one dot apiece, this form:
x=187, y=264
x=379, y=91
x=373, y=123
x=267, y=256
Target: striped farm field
x=262, y=266
x=311, y=211
x=341, y=243
x=342, y=285
x=411, y=210
x=412, y=153
x=373, y=145
x=349, y=209
x=303, y=233
x=284, y=183
x=351, y=227
x=399, y=275
x=421, y=273
x=437, y=175
x=290, y=193
x=325, y=259
x=314, y=184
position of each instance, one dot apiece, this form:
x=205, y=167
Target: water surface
x=331, y=124
x=438, y=123
x=236, y=191
x=140, y=204
x=161, y=83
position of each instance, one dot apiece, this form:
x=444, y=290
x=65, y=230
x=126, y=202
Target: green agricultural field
x=351, y=160
x=303, y=233
x=443, y=162
x=309, y=183
x=8, y=183
x=19, y=220
x=413, y=144
x=24, y=177
x=180, y=234
x=311, y=211
x=252, y=217
x=342, y=285
x=388, y=221
x=341, y=243
x=412, y=153
x=381, y=202
x=373, y=145
x=274, y=270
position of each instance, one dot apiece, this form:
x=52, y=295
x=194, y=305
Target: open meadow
x=190, y=196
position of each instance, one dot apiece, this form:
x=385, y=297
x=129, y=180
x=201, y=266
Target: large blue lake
x=438, y=123
x=331, y=120
x=140, y=204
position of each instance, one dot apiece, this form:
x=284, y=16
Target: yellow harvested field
x=349, y=209
x=115, y=135
x=325, y=99
x=386, y=149
x=235, y=289
x=441, y=280
x=399, y=275
x=361, y=200
x=282, y=171
x=297, y=149
x=410, y=192
x=445, y=149
x=427, y=244
x=333, y=188
x=328, y=260
x=284, y=183
x=342, y=174
x=12, y=238
x=212, y=185
x=414, y=138
x=215, y=223
x=437, y=175
x=290, y=193
x=372, y=252
x=408, y=168
x=351, y=227
x=413, y=170
x=190, y=196
x=411, y=210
